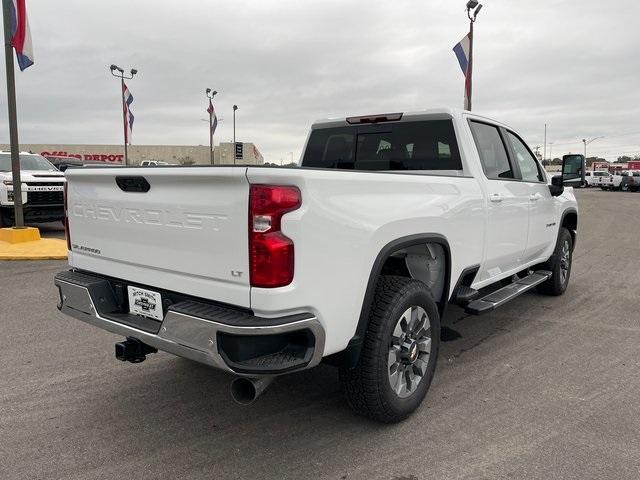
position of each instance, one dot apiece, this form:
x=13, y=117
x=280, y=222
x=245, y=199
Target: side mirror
x=573, y=168
x=556, y=188
x=573, y=174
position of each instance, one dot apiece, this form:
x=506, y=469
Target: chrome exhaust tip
x=245, y=390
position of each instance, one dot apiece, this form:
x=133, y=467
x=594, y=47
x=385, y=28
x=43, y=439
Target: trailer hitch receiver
x=133, y=350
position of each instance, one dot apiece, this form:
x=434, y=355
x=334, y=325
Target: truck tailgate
x=187, y=233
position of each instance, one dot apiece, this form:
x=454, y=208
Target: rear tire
x=399, y=353
x=559, y=265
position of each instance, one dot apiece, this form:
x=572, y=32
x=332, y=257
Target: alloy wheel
x=409, y=351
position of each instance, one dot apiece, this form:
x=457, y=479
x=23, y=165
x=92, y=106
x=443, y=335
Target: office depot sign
x=100, y=157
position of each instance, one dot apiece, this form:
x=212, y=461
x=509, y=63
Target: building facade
x=223, y=153
x=616, y=167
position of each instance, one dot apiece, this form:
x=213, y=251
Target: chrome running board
x=506, y=294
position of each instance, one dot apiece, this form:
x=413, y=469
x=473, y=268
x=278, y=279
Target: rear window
x=428, y=145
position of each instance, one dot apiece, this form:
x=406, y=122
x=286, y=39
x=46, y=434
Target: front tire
x=399, y=353
x=560, y=265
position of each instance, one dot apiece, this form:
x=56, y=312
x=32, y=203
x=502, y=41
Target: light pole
x=210, y=94
x=120, y=74
x=235, y=107
x=473, y=8
x=587, y=142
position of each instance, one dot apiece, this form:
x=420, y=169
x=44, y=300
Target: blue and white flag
x=462, y=52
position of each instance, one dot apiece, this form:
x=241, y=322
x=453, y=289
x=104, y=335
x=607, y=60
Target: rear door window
x=426, y=145
x=492, y=151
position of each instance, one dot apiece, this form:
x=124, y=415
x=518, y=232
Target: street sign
x=239, y=155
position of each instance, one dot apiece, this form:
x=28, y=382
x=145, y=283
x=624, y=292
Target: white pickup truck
x=42, y=186
x=596, y=178
x=351, y=258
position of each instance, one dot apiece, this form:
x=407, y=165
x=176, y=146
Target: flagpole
x=470, y=74
x=13, y=117
x=122, y=76
x=124, y=121
x=473, y=8
x=210, y=94
x=210, y=138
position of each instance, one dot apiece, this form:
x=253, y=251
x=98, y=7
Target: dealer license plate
x=145, y=302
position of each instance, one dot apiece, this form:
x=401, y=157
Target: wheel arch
x=569, y=220
x=349, y=357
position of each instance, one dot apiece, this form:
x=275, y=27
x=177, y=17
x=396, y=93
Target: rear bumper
x=224, y=338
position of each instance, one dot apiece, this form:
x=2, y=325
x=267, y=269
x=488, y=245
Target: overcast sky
x=572, y=64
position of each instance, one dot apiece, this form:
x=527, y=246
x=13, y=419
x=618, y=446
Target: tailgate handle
x=133, y=184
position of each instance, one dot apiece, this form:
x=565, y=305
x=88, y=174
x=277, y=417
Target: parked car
x=630, y=181
x=154, y=163
x=62, y=163
x=351, y=259
x=42, y=186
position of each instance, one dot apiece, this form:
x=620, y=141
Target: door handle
x=495, y=197
x=535, y=197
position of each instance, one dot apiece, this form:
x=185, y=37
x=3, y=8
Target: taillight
x=271, y=253
x=66, y=219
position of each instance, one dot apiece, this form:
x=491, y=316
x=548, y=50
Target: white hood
x=35, y=176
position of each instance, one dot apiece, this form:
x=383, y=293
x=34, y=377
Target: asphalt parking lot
x=542, y=388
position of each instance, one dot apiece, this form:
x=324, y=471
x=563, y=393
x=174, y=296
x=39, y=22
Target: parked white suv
x=352, y=258
x=42, y=186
